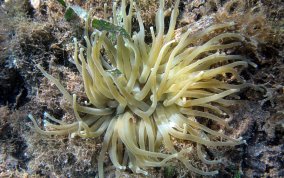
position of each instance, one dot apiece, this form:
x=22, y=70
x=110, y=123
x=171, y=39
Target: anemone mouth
x=140, y=95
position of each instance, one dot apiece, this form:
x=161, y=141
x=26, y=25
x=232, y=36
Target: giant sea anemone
x=143, y=96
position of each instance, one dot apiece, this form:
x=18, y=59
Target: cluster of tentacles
x=141, y=96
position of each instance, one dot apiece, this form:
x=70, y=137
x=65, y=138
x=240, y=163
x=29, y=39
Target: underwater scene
x=141, y=88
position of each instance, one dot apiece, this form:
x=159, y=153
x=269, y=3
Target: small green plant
x=73, y=10
x=169, y=171
x=237, y=174
x=103, y=25
x=99, y=24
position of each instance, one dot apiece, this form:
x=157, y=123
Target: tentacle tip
x=232, y=23
x=39, y=66
x=45, y=114
x=122, y=168
x=201, y=73
x=215, y=172
x=235, y=90
x=254, y=65
x=165, y=103
x=73, y=135
x=219, y=161
x=152, y=97
x=30, y=115
x=242, y=39
x=140, y=171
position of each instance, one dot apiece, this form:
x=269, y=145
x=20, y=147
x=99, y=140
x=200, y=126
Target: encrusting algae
x=141, y=95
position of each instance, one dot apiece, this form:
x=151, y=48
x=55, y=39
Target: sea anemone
x=143, y=96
